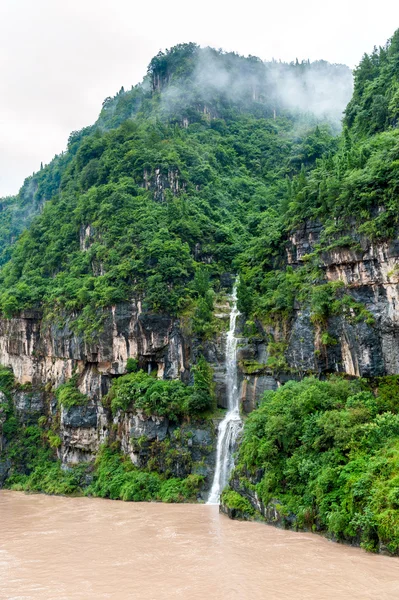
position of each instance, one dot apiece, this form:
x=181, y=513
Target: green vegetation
x=184, y=179
x=162, y=195
x=68, y=394
x=32, y=449
x=237, y=502
x=27, y=446
x=132, y=365
x=6, y=379
x=35, y=468
x=161, y=397
x=48, y=477
x=113, y=476
x=328, y=451
x=350, y=193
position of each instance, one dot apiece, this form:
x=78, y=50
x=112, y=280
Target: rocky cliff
x=370, y=276
x=361, y=339
x=44, y=355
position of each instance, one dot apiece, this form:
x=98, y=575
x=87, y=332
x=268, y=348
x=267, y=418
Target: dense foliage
x=69, y=395
x=351, y=191
x=178, y=175
x=30, y=449
x=113, y=476
x=139, y=391
x=117, y=478
x=207, y=168
x=328, y=452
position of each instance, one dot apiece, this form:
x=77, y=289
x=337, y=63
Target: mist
x=60, y=60
x=315, y=88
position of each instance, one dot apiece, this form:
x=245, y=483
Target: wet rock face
x=46, y=356
x=3, y=401
x=152, y=428
x=80, y=416
x=41, y=354
x=29, y=405
x=214, y=352
x=371, y=276
x=160, y=181
x=148, y=440
x=253, y=388
x=269, y=512
x=5, y=466
x=82, y=431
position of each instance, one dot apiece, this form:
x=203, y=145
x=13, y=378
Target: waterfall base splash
x=228, y=432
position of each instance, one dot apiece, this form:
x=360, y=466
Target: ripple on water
x=54, y=548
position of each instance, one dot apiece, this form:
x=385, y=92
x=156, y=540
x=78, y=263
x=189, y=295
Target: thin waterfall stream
x=231, y=425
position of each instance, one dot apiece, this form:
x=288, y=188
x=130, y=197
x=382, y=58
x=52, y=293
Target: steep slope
x=327, y=289
x=142, y=221
x=177, y=169
x=323, y=455
x=154, y=204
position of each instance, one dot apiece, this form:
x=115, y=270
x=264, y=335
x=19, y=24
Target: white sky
x=59, y=59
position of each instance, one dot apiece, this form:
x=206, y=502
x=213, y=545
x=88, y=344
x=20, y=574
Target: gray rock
x=200, y=436
x=153, y=428
x=253, y=388
x=29, y=405
x=301, y=345
x=5, y=466
x=246, y=352
x=80, y=416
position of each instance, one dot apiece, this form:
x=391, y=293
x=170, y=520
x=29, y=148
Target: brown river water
x=91, y=549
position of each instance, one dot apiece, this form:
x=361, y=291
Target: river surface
x=90, y=549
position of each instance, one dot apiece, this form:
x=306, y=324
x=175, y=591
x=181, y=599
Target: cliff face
x=43, y=356
x=365, y=346
x=46, y=356
x=370, y=276
x=40, y=353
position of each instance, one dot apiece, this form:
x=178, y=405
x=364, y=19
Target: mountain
x=323, y=455
x=117, y=260
x=165, y=181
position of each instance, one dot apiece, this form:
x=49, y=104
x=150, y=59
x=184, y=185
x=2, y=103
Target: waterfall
x=231, y=425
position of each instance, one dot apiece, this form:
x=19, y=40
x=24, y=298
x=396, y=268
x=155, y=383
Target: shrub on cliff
x=6, y=379
x=116, y=477
x=329, y=453
x=48, y=477
x=140, y=391
x=68, y=394
x=159, y=397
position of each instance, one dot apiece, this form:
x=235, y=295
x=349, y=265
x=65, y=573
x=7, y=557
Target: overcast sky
x=59, y=59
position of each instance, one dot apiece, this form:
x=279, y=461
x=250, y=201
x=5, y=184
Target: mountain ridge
x=114, y=300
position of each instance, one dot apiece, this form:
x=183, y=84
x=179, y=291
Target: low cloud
x=319, y=88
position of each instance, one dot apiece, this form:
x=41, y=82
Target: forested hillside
x=323, y=455
x=116, y=260
x=178, y=175
x=351, y=192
